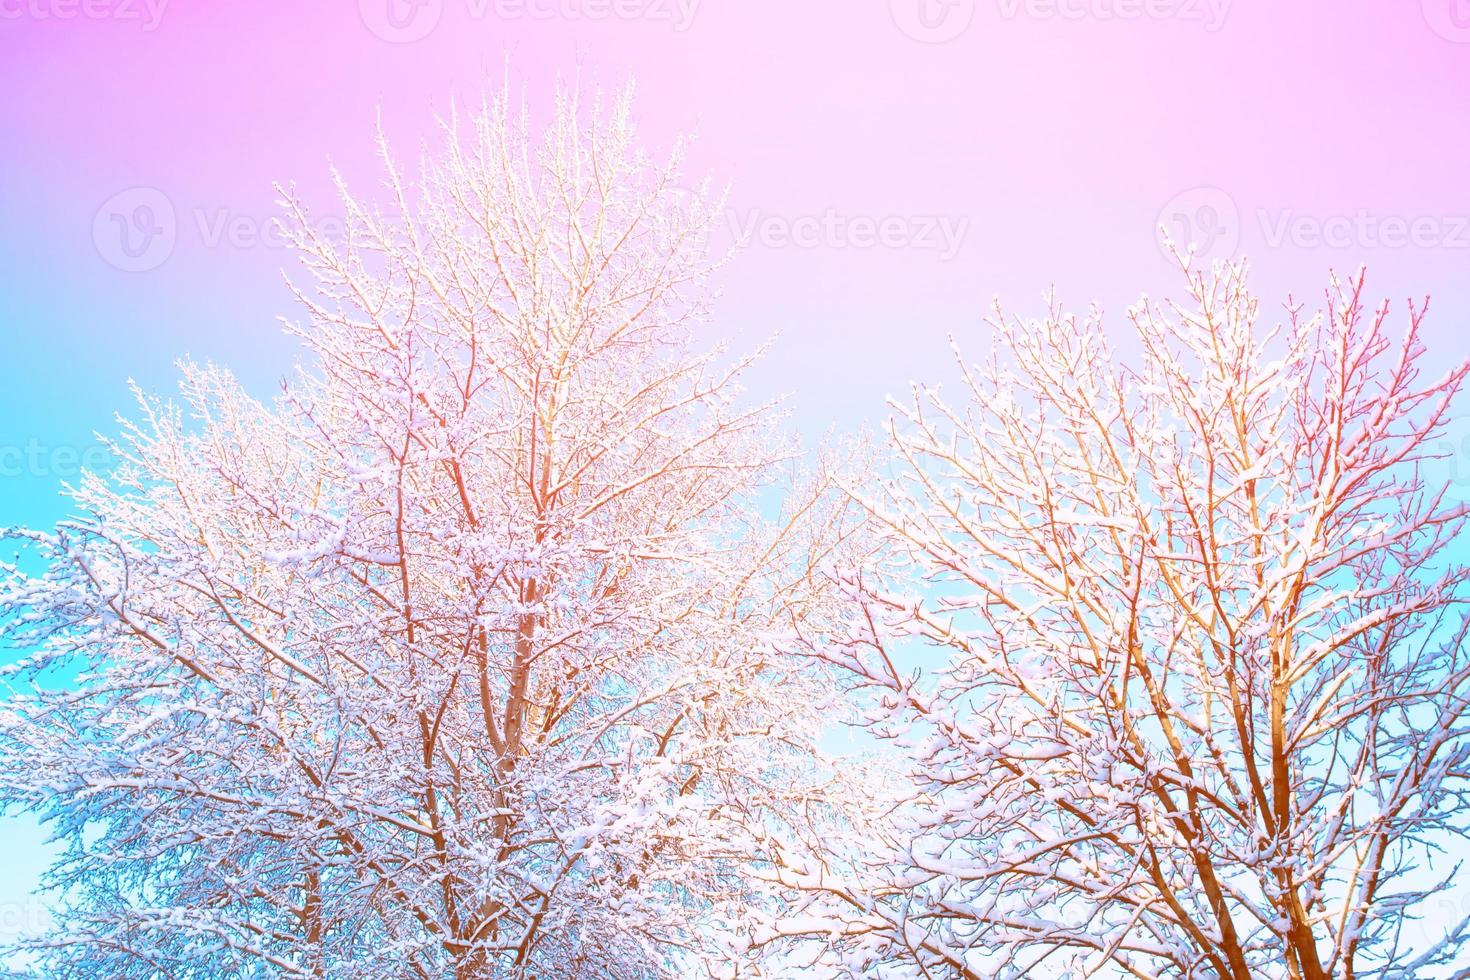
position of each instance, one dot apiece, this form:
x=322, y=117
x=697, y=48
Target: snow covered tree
x=455, y=659
x=1173, y=656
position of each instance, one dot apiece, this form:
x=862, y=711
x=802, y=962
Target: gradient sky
x=1055, y=134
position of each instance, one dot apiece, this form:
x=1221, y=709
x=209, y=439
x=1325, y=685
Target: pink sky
x=1054, y=131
